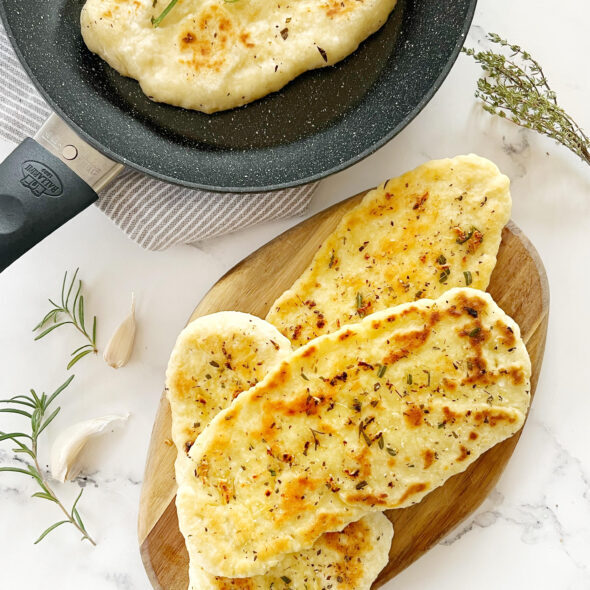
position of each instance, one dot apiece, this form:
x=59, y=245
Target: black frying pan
x=320, y=123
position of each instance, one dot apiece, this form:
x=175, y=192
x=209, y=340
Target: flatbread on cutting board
x=347, y=560
x=436, y=227
x=212, y=55
x=215, y=358
x=370, y=417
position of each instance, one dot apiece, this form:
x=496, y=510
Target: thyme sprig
x=35, y=407
x=514, y=87
x=73, y=309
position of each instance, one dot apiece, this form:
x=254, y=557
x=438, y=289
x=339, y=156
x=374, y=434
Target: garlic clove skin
x=118, y=350
x=68, y=445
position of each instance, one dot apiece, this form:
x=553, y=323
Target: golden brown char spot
x=475, y=241
x=293, y=500
x=493, y=417
x=473, y=435
x=428, y=458
x=465, y=452
x=508, y=338
x=234, y=583
x=323, y=522
x=362, y=467
x=183, y=386
x=415, y=488
x=278, y=377
x=395, y=356
x=368, y=499
x=516, y=374
x=207, y=47
x=450, y=416
x=477, y=371
x=245, y=39
x=345, y=335
x=225, y=490
x=335, y=7
x=304, y=404
x=347, y=544
x=309, y=351
x=413, y=415
x=471, y=302
x=449, y=384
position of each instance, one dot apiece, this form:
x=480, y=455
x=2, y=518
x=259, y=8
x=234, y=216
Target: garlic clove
x=120, y=346
x=68, y=445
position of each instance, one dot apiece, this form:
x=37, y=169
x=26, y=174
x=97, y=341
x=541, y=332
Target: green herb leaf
x=44, y=496
x=49, y=529
x=359, y=304
x=466, y=236
x=514, y=87
x=381, y=371
x=468, y=278
x=39, y=419
x=156, y=21
x=74, y=314
x=77, y=358
x=444, y=275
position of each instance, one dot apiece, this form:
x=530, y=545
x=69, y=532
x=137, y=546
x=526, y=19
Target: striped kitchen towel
x=153, y=213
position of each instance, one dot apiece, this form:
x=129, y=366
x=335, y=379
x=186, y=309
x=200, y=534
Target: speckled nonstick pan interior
x=320, y=123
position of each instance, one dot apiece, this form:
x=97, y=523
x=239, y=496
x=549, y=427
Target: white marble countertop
x=534, y=529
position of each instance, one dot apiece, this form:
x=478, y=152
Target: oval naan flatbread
x=212, y=55
x=215, y=358
x=370, y=417
x=418, y=235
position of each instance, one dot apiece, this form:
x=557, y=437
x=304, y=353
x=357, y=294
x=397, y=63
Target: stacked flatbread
x=216, y=358
x=374, y=412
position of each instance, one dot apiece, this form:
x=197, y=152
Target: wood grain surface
x=519, y=286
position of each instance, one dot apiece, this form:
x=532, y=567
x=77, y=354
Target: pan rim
x=108, y=152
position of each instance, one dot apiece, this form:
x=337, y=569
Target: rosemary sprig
x=514, y=87
x=73, y=310
x=35, y=408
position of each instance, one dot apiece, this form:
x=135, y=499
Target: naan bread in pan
x=370, y=417
x=215, y=358
x=212, y=55
x=415, y=236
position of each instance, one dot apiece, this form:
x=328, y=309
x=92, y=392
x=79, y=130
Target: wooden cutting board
x=519, y=286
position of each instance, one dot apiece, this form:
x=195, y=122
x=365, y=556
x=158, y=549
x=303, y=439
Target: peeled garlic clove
x=67, y=446
x=119, y=348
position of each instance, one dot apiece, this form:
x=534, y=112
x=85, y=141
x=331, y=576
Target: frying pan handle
x=38, y=194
